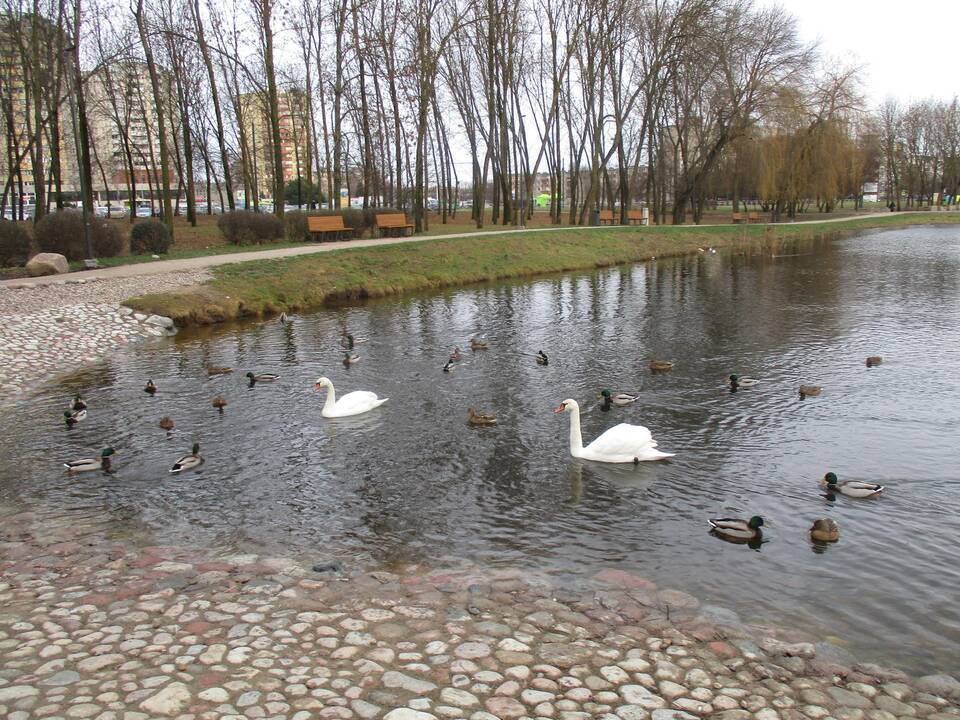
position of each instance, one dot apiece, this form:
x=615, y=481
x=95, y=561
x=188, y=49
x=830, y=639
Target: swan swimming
x=353, y=403
x=622, y=443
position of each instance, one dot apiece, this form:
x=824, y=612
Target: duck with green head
x=261, y=377
x=851, y=488
x=87, y=464
x=621, y=398
x=188, y=462
x=736, y=529
x=737, y=382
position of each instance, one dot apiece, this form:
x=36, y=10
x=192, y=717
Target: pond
x=411, y=481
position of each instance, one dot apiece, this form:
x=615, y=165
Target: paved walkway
x=167, y=266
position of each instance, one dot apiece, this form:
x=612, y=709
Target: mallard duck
x=851, y=488
x=542, y=358
x=809, y=391
x=737, y=382
x=219, y=402
x=661, y=365
x=825, y=530
x=449, y=366
x=475, y=418
x=455, y=355
x=874, y=360
x=477, y=344
x=87, y=464
x=150, y=388
x=735, y=529
x=166, y=424
x=72, y=418
x=188, y=462
x=349, y=358
x=619, y=398
x=261, y=377
x=78, y=403
x=218, y=370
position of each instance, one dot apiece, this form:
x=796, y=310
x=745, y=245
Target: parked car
x=144, y=211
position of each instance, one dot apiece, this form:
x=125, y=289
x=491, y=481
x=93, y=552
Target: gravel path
x=53, y=328
x=91, y=628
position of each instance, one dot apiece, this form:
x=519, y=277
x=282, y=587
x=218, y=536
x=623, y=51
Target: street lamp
x=86, y=212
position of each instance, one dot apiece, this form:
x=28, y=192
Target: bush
x=243, y=227
x=62, y=232
x=362, y=221
x=150, y=237
x=14, y=244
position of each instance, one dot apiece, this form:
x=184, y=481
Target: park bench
x=388, y=222
x=324, y=225
x=753, y=217
x=606, y=217
x=634, y=217
x=738, y=218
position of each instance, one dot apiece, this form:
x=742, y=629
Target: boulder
x=47, y=264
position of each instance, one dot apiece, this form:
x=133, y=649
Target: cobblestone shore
x=53, y=328
x=91, y=628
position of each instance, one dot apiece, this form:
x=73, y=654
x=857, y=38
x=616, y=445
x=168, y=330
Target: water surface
x=412, y=482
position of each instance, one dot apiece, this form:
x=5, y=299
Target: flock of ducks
x=623, y=443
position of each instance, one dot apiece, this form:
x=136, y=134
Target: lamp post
x=86, y=212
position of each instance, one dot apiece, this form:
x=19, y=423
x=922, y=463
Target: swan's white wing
x=622, y=439
x=357, y=402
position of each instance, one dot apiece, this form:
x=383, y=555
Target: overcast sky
x=909, y=50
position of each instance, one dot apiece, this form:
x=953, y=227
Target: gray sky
x=908, y=49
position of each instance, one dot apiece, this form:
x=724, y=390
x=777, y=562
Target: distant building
x=124, y=132
x=294, y=137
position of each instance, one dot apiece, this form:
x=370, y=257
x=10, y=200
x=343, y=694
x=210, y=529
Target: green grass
x=269, y=286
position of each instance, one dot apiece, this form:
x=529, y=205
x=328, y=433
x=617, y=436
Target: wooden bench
x=739, y=218
x=387, y=222
x=324, y=225
x=606, y=217
x=634, y=217
x=753, y=217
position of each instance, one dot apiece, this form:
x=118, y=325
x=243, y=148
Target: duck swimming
x=72, y=418
x=736, y=529
x=809, y=391
x=825, y=530
x=262, y=377
x=851, y=488
x=737, y=382
x=475, y=418
x=455, y=355
x=874, y=360
x=78, y=403
x=188, y=462
x=150, y=388
x=661, y=365
x=166, y=424
x=87, y=464
x=349, y=358
x=621, y=399
x=477, y=344
x=542, y=358
x=219, y=402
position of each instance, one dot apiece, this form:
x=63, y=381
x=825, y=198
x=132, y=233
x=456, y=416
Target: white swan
x=353, y=403
x=622, y=443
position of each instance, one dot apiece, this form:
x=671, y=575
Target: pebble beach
x=95, y=627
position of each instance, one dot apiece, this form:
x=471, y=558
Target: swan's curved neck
x=331, y=398
x=576, y=439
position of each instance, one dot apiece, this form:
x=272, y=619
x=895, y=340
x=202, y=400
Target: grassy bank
x=293, y=284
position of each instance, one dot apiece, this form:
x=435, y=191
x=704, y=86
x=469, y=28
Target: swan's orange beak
x=560, y=408
x=316, y=386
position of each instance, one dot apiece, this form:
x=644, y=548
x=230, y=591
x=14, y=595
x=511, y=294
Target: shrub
x=361, y=220
x=62, y=232
x=14, y=244
x=150, y=237
x=243, y=227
